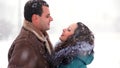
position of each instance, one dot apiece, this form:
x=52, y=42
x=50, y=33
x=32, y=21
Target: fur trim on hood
x=68, y=53
x=43, y=37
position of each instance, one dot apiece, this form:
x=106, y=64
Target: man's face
x=44, y=20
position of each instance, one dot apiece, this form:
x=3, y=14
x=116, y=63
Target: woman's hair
x=82, y=33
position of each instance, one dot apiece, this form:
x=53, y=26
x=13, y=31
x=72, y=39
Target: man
x=32, y=47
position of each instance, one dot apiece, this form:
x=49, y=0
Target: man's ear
x=34, y=18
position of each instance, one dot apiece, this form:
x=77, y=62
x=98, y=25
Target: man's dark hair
x=33, y=7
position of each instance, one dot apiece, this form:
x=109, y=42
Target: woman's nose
x=64, y=30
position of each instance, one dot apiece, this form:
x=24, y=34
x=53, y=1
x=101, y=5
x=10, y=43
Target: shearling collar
x=28, y=25
x=43, y=37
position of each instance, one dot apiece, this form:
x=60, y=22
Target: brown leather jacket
x=31, y=49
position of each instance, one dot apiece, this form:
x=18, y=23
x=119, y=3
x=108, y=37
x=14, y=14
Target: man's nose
x=51, y=19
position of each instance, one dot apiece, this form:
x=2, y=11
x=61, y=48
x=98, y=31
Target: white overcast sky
x=101, y=16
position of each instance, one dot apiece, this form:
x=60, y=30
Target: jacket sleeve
x=23, y=56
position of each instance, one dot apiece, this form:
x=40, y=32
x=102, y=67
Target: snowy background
x=101, y=16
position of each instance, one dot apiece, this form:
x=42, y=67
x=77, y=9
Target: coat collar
x=82, y=50
x=28, y=25
x=43, y=37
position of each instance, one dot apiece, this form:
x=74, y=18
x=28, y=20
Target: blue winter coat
x=78, y=62
x=77, y=56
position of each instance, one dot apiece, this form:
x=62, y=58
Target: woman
x=75, y=49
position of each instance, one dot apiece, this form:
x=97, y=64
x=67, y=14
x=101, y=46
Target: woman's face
x=67, y=32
